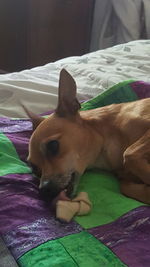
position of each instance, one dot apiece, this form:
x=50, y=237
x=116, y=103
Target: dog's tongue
x=61, y=196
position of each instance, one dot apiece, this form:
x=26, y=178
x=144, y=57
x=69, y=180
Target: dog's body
x=114, y=137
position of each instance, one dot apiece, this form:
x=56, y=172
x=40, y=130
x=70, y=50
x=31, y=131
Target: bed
x=116, y=232
x=94, y=73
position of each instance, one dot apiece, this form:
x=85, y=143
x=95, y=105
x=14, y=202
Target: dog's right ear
x=36, y=120
x=68, y=104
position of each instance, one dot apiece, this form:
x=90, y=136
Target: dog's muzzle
x=51, y=188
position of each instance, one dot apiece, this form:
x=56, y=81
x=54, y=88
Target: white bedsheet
x=93, y=73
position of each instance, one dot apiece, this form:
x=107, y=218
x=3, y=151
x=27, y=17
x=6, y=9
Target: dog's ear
x=36, y=120
x=68, y=104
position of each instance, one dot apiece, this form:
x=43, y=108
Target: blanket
x=115, y=233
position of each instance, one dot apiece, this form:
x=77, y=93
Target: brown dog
x=114, y=138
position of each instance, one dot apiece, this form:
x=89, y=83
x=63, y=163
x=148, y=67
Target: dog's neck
x=103, y=133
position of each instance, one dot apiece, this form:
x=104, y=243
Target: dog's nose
x=49, y=190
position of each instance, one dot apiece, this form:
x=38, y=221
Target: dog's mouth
x=71, y=187
x=56, y=190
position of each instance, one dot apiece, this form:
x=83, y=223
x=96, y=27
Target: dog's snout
x=49, y=190
x=43, y=184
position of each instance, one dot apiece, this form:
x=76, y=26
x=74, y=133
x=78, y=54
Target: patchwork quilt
x=115, y=233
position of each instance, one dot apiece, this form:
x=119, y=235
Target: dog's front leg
x=137, y=158
x=140, y=192
x=135, y=182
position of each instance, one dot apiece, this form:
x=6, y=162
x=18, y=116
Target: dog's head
x=59, y=144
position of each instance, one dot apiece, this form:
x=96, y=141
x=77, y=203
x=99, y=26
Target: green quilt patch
x=81, y=249
x=9, y=159
x=118, y=93
x=108, y=203
x=49, y=254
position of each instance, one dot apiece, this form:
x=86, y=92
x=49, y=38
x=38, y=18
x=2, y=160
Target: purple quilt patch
x=141, y=88
x=128, y=237
x=19, y=201
x=14, y=126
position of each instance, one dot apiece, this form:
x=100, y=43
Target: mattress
x=94, y=73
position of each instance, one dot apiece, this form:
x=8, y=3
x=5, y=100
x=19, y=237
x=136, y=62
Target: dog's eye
x=52, y=147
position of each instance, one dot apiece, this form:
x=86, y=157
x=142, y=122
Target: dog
x=115, y=138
